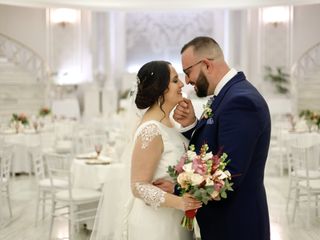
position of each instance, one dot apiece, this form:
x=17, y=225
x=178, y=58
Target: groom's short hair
x=204, y=45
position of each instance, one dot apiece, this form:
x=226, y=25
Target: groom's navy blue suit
x=241, y=125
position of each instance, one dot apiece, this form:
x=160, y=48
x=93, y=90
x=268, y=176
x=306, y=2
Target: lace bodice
x=174, y=144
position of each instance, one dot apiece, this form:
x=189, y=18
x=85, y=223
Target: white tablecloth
x=21, y=161
x=21, y=142
x=94, y=176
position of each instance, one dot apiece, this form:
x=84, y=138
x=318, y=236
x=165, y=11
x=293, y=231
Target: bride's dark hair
x=153, y=79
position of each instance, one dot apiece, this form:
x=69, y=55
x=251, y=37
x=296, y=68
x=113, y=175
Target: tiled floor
x=22, y=227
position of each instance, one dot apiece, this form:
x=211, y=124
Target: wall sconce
x=64, y=16
x=275, y=15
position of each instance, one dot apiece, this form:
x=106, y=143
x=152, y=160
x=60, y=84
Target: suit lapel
x=217, y=100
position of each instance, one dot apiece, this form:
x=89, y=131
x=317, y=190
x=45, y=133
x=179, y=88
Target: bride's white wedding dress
x=146, y=222
x=136, y=220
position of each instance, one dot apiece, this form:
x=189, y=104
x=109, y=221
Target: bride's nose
x=181, y=84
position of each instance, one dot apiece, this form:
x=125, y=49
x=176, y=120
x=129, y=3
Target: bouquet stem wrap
x=187, y=220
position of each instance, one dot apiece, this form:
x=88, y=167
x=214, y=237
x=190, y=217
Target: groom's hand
x=164, y=184
x=184, y=113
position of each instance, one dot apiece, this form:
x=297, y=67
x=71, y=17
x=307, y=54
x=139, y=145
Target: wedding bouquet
x=44, y=111
x=203, y=176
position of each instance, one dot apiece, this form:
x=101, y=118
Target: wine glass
x=98, y=149
x=35, y=126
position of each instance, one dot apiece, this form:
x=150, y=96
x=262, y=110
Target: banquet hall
x=67, y=69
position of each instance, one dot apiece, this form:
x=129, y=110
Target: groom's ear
x=208, y=64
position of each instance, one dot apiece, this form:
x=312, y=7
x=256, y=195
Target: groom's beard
x=202, y=85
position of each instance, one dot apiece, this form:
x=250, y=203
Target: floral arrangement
x=207, y=111
x=20, y=118
x=44, y=111
x=312, y=117
x=203, y=176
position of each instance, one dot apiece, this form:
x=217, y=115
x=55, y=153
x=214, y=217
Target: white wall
x=26, y=25
x=306, y=31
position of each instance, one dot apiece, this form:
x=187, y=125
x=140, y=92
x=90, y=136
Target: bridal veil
x=116, y=200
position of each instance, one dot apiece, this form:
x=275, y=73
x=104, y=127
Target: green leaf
x=223, y=194
x=209, y=190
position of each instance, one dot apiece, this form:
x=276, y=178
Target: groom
x=240, y=124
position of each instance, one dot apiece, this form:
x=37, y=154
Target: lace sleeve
x=148, y=133
x=145, y=161
x=151, y=195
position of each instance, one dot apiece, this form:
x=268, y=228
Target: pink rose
x=218, y=185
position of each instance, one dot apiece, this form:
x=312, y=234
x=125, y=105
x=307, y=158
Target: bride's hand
x=188, y=202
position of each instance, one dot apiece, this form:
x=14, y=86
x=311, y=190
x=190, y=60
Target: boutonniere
x=207, y=111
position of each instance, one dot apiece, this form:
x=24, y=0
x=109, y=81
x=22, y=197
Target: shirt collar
x=226, y=78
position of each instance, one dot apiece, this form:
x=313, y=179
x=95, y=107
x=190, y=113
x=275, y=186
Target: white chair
x=71, y=198
x=278, y=148
x=5, y=165
x=47, y=140
x=44, y=189
x=304, y=177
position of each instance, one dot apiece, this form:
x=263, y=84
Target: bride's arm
x=145, y=159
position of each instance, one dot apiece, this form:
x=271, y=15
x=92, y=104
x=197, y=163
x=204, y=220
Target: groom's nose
x=187, y=79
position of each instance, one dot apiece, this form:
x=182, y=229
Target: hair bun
x=153, y=79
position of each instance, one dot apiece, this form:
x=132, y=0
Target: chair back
x=58, y=167
x=38, y=162
x=6, y=154
x=304, y=160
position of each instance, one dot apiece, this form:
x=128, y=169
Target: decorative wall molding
x=306, y=78
x=160, y=35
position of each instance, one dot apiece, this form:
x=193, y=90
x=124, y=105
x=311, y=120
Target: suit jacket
x=241, y=125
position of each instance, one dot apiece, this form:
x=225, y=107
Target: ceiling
x=155, y=4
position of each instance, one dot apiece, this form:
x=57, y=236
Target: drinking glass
x=98, y=149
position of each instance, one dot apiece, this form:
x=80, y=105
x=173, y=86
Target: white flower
x=208, y=156
x=224, y=175
x=227, y=173
x=209, y=182
x=188, y=168
x=216, y=174
x=191, y=154
x=184, y=179
x=196, y=179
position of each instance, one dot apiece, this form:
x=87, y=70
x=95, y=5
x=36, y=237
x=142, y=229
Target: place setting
x=95, y=158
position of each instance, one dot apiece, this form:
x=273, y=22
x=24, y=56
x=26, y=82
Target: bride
x=153, y=214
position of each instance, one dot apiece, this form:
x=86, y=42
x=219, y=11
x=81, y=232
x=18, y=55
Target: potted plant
x=278, y=77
